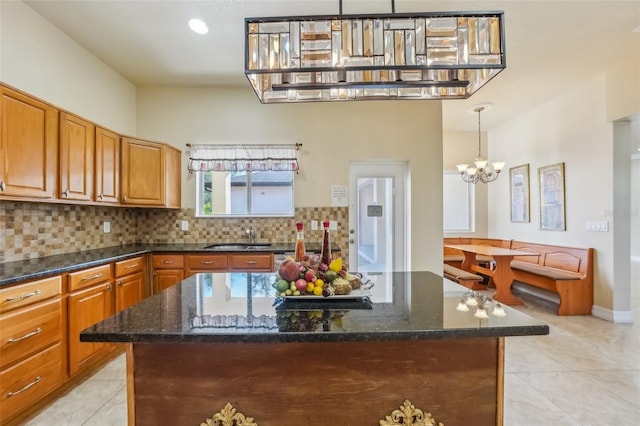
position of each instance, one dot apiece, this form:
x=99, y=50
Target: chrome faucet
x=252, y=234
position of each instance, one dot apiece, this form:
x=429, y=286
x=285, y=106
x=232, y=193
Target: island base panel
x=458, y=381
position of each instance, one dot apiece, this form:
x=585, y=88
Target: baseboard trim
x=618, y=317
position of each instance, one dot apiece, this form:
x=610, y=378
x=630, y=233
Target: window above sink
x=244, y=194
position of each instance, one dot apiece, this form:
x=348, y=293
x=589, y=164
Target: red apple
x=301, y=285
x=310, y=275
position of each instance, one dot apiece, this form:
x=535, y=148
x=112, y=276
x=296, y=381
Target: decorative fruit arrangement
x=313, y=320
x=311, y=277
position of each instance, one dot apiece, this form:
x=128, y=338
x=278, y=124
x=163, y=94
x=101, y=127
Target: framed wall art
x=552, y=202
x=519, y=182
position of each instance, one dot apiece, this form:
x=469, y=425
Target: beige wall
x=331, y=134
x=623, y=87
x=41, y=60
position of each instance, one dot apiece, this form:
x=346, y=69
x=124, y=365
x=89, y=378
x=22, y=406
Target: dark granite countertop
x=242, y=307
x=13, y=272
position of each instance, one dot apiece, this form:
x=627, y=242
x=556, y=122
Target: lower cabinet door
x=129, y=291
x=86, y=308
x=165, y=278
x=26, y=382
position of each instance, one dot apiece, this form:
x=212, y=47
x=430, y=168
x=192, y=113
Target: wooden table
x=502, y=274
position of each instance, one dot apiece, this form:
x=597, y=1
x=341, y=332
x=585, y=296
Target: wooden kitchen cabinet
x=168, y=270
x=28, y=146
x=251, y=262
x=77, y=152
x=90, y=301
x=173, y=178
x=205, y=263
x=107, y=169
x=130, y=282
x=143, y=172
x=32, y=364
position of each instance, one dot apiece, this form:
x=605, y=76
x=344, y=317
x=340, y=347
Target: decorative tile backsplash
x=30, y=230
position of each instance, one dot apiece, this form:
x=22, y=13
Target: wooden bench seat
x=467, y=279
x=567, y=271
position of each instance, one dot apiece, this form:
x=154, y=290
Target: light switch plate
x=106, y=227
x=314, y=225
x=333, y=225
x=184, y=225
x=597, y=225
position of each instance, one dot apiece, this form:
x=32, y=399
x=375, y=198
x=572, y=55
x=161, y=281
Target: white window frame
x=199, y=202
x=464, y=194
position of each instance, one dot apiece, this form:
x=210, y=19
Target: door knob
x=352, y=231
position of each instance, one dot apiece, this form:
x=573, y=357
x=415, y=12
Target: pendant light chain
x=479, y=131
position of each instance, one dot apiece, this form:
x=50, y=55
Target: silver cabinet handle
x=26, y=336
x=250, y=262
x=120, y=283
x=92, y=277
x=2, y=186
x=135, y=265
x=24, y=296
x=100, y=196
x=108, y=287
x=25, y=388
x=168, y=262
x=65, y=192
x=206, y=262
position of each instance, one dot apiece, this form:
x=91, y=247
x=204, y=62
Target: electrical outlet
x=184, y=225
x=314, y=225
x=106, y=227
x=333, y=225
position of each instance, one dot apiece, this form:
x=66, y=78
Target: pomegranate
x=289, y=270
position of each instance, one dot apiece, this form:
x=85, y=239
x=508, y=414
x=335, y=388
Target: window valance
x=235, y=158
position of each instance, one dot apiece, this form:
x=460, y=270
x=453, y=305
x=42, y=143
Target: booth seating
x=565, y=271
x=470, y=280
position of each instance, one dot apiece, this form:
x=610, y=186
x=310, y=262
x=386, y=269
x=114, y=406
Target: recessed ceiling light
x=198, y=26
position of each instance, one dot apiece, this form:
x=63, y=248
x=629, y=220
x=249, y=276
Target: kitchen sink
x=237, y=246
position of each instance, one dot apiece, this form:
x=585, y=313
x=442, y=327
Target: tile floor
x=585, y=372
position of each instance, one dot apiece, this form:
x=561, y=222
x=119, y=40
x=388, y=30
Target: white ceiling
x=550, y=45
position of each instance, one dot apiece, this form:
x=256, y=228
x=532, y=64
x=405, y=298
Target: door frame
x=383, y=168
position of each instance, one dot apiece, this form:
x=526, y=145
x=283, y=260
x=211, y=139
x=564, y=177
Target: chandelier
x=443, y=55
x=483, y=171
x=473, y=299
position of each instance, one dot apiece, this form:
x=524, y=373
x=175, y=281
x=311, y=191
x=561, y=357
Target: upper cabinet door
x=28, y=146
x=77, y=143
x=107, y=176
x=143, y=172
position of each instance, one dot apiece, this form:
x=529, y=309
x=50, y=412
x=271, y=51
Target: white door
x=377, y=216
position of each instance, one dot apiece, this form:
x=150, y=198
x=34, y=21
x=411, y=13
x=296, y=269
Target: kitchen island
x=222, y=345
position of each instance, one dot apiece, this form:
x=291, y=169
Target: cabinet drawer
x=129, y=266
x=207, y=262
x=30, y=380
x=29, y=293
x=89, y=277
x=250, y=262
x=167, y=261
x=28, y=330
